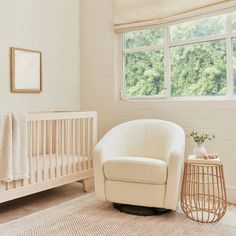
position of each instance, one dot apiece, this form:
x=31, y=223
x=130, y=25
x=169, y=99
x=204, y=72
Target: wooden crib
x=60, y=146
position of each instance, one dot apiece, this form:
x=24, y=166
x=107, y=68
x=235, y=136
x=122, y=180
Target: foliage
x=199, y=69
x=200, y=138
x=196, y=69
x=144, y=73
x=199, y=28
x=144, y=38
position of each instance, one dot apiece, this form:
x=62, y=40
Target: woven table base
x=203, y=196
x=140, y=210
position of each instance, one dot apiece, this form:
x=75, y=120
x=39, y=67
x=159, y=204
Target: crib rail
x=34, y=116
x=60, y=144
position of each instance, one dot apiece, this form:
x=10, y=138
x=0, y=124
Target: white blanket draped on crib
x=13, y=147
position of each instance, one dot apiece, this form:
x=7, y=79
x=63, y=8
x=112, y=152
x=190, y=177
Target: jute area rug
x=84, y=216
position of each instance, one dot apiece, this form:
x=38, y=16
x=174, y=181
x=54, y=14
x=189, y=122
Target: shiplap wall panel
x=99, y=91
x=53, y=28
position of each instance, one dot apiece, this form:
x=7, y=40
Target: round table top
x=195, y=160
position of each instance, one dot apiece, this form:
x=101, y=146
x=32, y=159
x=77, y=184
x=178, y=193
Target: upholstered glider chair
x=140, y=163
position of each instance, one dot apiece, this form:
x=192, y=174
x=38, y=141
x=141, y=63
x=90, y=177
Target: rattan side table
x=203, y=194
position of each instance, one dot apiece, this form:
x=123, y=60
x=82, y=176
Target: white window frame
x=228, y=37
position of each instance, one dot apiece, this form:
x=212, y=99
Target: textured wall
x=50, y=26
x=99, y=91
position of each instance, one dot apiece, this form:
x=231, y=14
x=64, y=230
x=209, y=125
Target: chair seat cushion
x=136, y=169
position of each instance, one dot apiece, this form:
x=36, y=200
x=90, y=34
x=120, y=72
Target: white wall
x=99, y=92
x=50, y=26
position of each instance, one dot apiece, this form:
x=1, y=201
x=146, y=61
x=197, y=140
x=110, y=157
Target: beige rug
x=84, y=216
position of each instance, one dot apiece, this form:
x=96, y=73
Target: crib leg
x=87, y=184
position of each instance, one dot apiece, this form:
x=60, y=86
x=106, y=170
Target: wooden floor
x=27, y=205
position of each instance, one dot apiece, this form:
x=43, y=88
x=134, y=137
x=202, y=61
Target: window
x=194, y=58
x=144, y=62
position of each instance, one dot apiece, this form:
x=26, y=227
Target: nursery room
x=117, y=117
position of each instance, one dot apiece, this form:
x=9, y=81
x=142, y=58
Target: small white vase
x=199, y=150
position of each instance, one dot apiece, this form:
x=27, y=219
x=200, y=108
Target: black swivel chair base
x=140, y=210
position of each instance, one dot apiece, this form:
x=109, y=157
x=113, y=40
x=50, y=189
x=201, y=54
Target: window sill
x=179, y=99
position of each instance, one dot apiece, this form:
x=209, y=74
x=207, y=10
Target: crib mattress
x=46, y=167
x=50, y=166
x=54, y=160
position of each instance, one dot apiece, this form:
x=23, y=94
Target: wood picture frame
x=26, y=70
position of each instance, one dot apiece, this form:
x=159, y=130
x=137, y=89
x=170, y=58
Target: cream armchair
x=140, y=163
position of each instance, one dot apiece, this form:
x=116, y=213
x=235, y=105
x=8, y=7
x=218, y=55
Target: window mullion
x=167, y=74
x=229, y=55
x=143, y=49
x=122, y=66
x=198, y=40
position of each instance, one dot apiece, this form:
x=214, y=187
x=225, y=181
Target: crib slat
x=57, y=146
x=37, y=149
x=63, y=147
x=44, y=150
x=94, y=132
x=31, y=151
x=73, y=144
x=78, y=143
x=84, y=144
x=83, y=135
x=50, y=148
x=85, y=160
x=81, y=144
x=68, y=145
x=89, y=144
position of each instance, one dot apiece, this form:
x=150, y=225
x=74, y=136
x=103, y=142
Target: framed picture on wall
x=26, y=70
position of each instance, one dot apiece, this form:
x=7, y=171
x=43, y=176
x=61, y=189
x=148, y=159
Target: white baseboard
x=231, y=194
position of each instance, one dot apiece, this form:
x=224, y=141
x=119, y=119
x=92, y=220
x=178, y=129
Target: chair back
x=147, y=138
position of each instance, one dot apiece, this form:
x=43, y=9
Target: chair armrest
x=108, y=146
x=173, y=184
x=99, y=178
